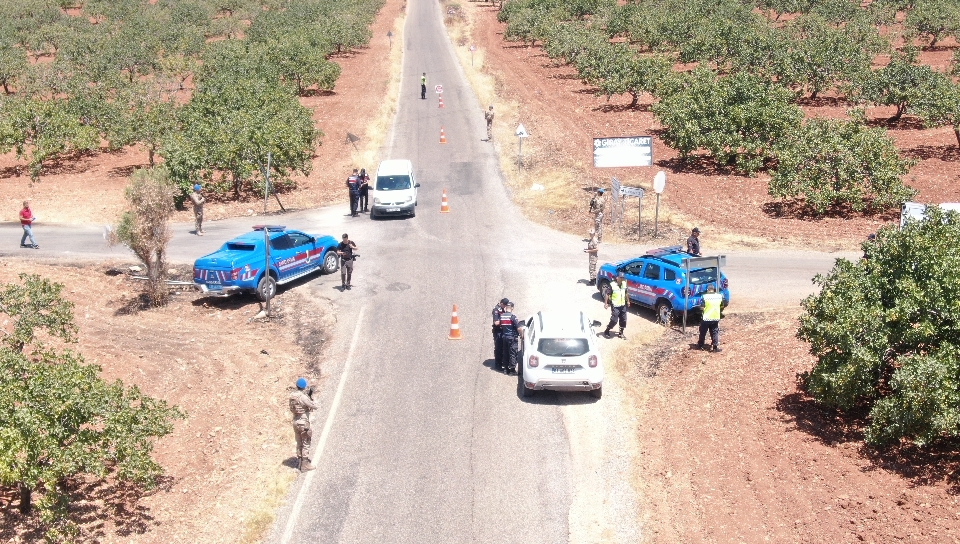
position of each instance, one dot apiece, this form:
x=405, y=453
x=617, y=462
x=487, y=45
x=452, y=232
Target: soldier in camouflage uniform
x=597, y=204
x=301, y=404
x=488, y=117
x=591, y=252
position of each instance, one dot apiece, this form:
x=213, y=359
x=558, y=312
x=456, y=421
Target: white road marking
x=318, y=452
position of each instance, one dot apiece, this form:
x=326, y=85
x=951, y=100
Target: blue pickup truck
x=238, y=266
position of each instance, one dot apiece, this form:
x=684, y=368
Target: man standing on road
x=345, y=251
x=497, y=351
x=301, y=404
x=26, y=221
x=510, y=333
x=353, y=185
x=591, y=252
x=197, y=198
x=712, y=301
x=423, y=86
x=618, y=300
x=597, y=204
x=488, y=117
x=693, y=242
x=363, y=204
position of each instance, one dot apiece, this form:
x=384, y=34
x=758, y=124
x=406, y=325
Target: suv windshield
x=703, y=275
x=392, y=183
x=563, y=347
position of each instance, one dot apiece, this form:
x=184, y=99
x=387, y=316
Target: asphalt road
x=419, y=439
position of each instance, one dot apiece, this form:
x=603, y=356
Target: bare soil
x=733, y=452
x=231, y=459
x=90, y=189
x=563, y=116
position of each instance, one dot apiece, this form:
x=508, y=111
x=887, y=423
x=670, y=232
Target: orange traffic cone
x=443, y=137
x=444, y=207
x=455, y=326
x=441, y=100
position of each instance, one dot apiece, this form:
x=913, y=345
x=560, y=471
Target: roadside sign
x=439, y=89
x=625, y=151
x=632, y=191
x=659, y=182
x=473, y=48
x=522, y=132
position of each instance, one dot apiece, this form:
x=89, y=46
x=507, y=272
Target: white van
x=917, y=211
x=394, y=190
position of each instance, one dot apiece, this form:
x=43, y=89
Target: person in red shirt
x=26, y=221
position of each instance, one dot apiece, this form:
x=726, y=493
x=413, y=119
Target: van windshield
x=392, y=183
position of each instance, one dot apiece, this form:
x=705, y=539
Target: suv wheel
x=267, y=287
x=664, y=312
x=330, y=261
x=604, y=287
x=597, y=393
x=524, y=392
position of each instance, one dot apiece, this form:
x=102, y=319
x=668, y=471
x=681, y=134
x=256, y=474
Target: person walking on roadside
x=693, y=242
x=364, y=200
x=353, y=186
x=618, y=300
x=591, y=252
x=26, y=221
x=301, y=404
x=712, y=300
x=345, y=251
x=497, y=351
x=597, y=204
x=510, y=334
x=488, y=117
x=423, y=86
x=196, y=197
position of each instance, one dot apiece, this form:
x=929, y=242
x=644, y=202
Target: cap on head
x=601, y=190
x=620, y=274
x=508, y=304
x=695, y=229
x=197, y=187
x=504, y=301
x=872, y=236
x=301, y=383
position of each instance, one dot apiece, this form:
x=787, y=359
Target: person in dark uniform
x=495, y=314
x=345, y=251
x=510, y=334
x=693, y=242
x=353, y=185
x=363, y=203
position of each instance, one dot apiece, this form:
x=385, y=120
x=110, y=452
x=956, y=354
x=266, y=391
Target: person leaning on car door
x=510, y=334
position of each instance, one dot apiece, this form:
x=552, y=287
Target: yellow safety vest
x=711, y=306
x=618, y=294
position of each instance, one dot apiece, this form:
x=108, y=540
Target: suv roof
x=394, y=167
x=566, y=323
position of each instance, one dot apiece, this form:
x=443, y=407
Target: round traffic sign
x=659, y=181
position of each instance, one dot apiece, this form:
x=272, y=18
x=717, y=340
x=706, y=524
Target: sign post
x=637, y=192
x=521, y=134
x=390, y=37
x=617, y=205
x=472, y=49
x=266, y=264
x=266, y=182
x=659, y=182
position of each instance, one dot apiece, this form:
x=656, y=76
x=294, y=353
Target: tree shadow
x=125, y=171
x=922, y=466
x=903, y=123
x=318, y=92
x=561, y=76
x=620, y=108
x=703, y=165
x=797, y=208
x=946, y=153
x=822, y=101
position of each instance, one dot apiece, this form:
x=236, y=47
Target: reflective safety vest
x=618, y=294
x=711, y=306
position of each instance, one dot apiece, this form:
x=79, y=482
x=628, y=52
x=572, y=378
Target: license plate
x=393, y=209
x=213, y=282
x=564, y=369
x=214, y=287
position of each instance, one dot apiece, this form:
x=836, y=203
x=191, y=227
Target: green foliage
x=59, y=419
x=618, y=69
x=886, y=332
x=934, y=19
x=13, y=64
x=232, y=122
x=938, y=104
x=840, y=162
x=570, y=40
x=531, y=20
x=736, y=119
x=899, y=84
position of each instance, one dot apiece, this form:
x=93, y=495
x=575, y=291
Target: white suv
x=560, y=353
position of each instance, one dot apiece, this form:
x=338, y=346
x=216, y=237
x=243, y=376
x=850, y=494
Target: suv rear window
x=392, y=183
x=563, y=347
x=703, y=275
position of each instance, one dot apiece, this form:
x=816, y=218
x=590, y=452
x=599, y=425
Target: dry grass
x=263, y=516
x=372, y=150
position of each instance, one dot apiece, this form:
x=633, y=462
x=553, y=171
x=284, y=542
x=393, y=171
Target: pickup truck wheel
x=330, y=262
x=664, y=312
x=266, y=288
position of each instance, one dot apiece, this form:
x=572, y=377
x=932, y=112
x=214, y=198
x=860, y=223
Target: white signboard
x=631, y=191
x=439, y=89
x=626, y=151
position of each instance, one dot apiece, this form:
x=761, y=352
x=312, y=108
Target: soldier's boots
x=306, y=465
